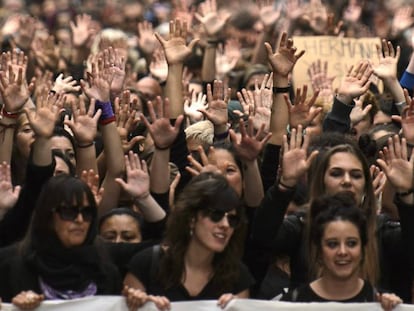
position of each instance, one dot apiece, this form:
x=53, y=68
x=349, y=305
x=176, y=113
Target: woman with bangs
x=200, y=258
x=342, y=169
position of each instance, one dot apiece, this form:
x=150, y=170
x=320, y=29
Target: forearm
x=279, y=118
x=42, y=154
x=6, y=140
x=150, y=209
x=160, y=171
x=338, y=119
x=173, y=90
x=208, y=70
x=86, y=159
x=394, y=86
x=253, y=187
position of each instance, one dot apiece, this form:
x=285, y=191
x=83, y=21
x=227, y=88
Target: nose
x=224, y=222
x=79, y=218
x=347, y=179
x=118, y=239
x=342, y=249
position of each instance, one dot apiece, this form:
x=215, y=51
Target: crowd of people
x=162, y=151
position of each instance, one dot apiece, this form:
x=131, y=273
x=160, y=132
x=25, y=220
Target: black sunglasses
x=216, y=216
x=70, y=213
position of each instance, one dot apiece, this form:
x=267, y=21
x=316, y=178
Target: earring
x=191, y=232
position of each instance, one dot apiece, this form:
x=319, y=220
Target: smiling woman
x=200, y=258
x=338, y=239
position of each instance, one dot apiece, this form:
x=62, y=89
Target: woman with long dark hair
x=200, y=258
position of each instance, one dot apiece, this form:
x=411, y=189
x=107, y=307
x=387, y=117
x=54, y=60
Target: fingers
x=225, y=299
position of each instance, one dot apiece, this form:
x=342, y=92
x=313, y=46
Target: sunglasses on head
x=216, y=216
x=70, y=213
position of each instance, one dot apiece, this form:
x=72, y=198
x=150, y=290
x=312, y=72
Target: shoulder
x=303, y=293
x=245, y=279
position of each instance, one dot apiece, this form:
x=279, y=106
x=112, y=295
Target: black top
x=144, y=266
x=305, y=293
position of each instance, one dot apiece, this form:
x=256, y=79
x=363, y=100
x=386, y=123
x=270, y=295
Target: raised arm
x=176, y=50
x=282, y=62
x=138, y=186
x=163, y=134
x=98, y=88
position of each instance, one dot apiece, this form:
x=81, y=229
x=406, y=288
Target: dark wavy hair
x=329, y=208
x=207, y=190
x=368, y=205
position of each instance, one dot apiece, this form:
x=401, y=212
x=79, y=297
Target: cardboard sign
x=340, y=53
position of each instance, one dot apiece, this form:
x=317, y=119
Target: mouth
x=220, y=236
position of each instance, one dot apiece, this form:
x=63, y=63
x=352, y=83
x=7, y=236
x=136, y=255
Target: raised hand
x=318, y=74
x=82, y=30
x=47, y=53
x=13, y=86
x=402, y=19
x=138, y=180
x=250, y=145
x=359, y=112
x=388, y=61
x=205, y=166
x=162, y=132
x=43, y=119
x=159, y=66
x=212, y=22
x=65, y=85
x=395, y=164
x=8, y=193
x=84, y=123
x=114, y=65
x=183, y=12
x=126, y=121
x=407, y=118
x=92, y=180
x=285, y=58
x=192, y=107
x=227, y=58
x=147, y=41
x=99, y=82
x=355, y=83
x=300, y=112
x=175, y=48
x=24, y=36
x=42, y=80
x=295, y=160
x=217, y=104
x=269, y=15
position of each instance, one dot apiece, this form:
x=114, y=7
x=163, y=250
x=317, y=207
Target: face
x=227, y=165
x=64, y=145
x=24, y=139
x=71, y=233
x=149, y=87
x=210, y=235
x=120, y=229
x=61, y=167
x=345, y=174
x=341, y=250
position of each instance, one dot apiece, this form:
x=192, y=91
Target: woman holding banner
x=200, y=258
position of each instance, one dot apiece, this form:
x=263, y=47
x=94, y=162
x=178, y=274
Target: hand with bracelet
x=162, y=132
x=84, y=123
x=295, y=159
x=98, y=87
x=13, y=86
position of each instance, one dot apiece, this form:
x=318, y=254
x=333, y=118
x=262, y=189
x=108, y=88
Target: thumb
x=121, y=182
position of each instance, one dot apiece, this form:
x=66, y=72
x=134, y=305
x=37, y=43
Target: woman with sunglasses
x=59, y=258
x=200, y=257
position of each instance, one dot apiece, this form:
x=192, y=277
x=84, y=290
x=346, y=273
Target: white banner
x=116, y=303
x=112, y=303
